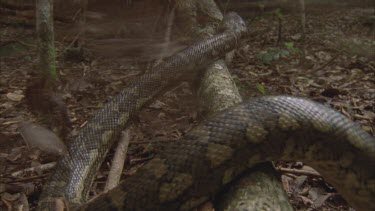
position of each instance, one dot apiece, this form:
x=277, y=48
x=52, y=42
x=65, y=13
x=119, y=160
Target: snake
x=75, y=171
x=187, y=172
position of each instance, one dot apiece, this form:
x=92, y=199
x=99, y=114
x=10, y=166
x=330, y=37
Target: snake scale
x=75, y=171
x=187, y=172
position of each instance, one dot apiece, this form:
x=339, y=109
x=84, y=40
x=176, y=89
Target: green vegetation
x=290, y=47
x=275, y=53
x=239, y=84
x=267, y=56
x=260, y=88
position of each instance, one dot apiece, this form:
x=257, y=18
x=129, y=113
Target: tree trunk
x=189, y=12
x=303, y=29
x=41, y=90
x=46, y=51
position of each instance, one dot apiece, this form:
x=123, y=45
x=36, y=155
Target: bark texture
x=44, y=27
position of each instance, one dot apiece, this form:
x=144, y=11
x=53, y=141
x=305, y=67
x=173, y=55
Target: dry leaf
x=298, y=182
x=296, y=36
x=21, y=204
x=157, y=105
x=286, y=181
x=15, y=154
x=10, y=197
x=306, y=200
x=321, y=200
x=42, y=138
x=15, y=96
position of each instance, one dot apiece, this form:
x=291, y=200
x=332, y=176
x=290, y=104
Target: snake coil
x=75, y=171
x=194, y=168
x=189, y=171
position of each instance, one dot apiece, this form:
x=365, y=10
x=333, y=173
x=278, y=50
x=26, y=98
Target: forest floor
x=338, y=70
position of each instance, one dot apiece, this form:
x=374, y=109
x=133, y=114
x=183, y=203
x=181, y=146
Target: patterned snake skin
x=75, y=172
x=189, y=171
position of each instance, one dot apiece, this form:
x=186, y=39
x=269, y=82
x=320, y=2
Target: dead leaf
x=298, y=182
x=306, y=200
x=80, y=85
x=11, y=121
x=60, y=204
x=314, y=193
x=7, y=105
x=323, y=55
x=309, y=169
x=34, y=154
x=321, y=200
x=161, y=115
x=21, y=204
x=10, y=197
x=15, y=96
x=157, y=105
x=286, y=183
x=368, y=115
x=42, y=138
x=296, y=36
x=95, y=15
x=15, y=154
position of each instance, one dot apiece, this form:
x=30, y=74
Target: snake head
x=233, y=22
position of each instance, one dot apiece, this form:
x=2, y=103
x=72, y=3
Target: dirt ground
x=338, y=70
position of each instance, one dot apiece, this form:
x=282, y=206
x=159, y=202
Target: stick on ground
x=118, y=161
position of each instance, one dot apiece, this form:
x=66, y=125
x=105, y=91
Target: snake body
x=75, y=172
x=189, y=171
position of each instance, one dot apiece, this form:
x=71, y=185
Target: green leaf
x=366, y=128
x=260, y=88
x=289, y=45
x=239, y=84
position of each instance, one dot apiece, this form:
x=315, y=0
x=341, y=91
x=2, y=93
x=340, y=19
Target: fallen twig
x=27, y=179
x=299, y=172
x=42, y=167
x=118, y=161
x=140, y=160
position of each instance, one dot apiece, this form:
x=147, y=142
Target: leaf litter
x=339, y=71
